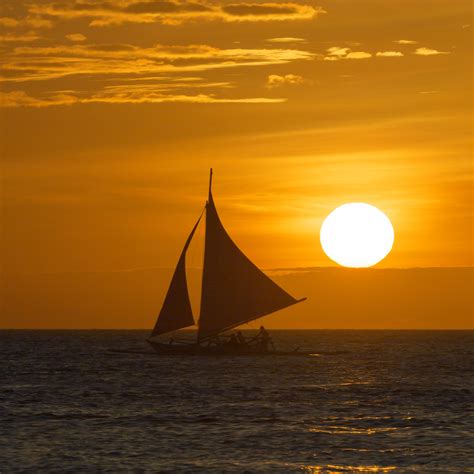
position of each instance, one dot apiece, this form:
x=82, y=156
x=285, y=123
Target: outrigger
x=234, y=291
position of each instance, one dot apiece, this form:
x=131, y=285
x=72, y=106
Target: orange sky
x=338, y=298
x=112, y=117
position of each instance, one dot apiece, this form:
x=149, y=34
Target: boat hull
x=200, y=350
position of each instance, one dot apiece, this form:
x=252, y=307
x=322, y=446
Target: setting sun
x=357, y=235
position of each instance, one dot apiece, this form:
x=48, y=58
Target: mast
x=210, y=184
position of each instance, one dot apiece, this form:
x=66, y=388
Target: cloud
x=97, y=72
x=8, y=22
x=157, y=98
x=30, y=21
x=429, y=52
x=256, y=9
x=163, y=7
x=21, y=99
x=173, y=12
x=404, y=41
x=275, y=80
x=76, y=37
x=270, y=11
x=19, y=38
x=164, y=73
x=45, y=63
x=358, y=55
x=336, y=53
x=285, y=40
x=389, y=54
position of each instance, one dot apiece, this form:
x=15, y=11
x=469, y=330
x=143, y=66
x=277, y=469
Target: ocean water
x=396, y=401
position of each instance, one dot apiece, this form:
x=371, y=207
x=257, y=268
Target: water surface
x=396, y=401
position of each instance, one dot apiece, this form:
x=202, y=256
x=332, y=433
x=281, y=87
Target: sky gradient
x=113, y=113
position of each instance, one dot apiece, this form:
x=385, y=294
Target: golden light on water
x=357, y=235
x=336, y=469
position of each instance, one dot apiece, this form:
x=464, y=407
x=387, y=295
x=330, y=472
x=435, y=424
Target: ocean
x=394, y=401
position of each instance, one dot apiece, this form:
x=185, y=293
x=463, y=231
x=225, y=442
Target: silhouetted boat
x=234, y=291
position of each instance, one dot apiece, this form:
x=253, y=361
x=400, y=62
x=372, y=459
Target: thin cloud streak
x=335, y=53
x=429, y=52
x=76, y=37
x=29, y=21
x=170, y=12
x=405, y=41
x=19, y=38
x=43, y=63
x=286, y=40
x=389, y=54
x=21, y=99
x=274, y=80
x=167, y=66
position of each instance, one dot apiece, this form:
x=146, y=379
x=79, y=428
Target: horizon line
x=244, y=329
x=275, y=269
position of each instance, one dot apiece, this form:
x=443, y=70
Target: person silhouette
x=263, y=339
x=241, y=339
x=233, y=342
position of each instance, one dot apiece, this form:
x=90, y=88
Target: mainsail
x=234, y=290
x=176, y=312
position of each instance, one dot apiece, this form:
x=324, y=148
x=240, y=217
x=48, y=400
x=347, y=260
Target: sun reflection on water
x=349, y=430
x=334, y=469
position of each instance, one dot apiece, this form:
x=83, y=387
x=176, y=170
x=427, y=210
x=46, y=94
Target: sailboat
x=234, y=291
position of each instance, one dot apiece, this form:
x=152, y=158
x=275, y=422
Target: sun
x=357, y=235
